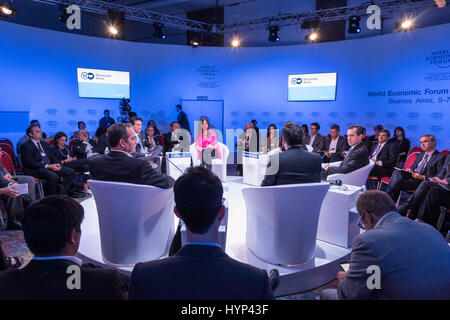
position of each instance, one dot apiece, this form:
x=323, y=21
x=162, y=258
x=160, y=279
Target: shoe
x=13, y=225
x=14, y=265
x=88, y=192
x=403, y=210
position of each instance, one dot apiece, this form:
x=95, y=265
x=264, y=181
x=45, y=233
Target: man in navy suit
x=201, y=269
x=384, y=154
x=335, y=146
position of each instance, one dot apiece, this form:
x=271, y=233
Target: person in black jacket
x=355, y=158
x=294, y=165
x=201, y=269
x=52, y=232
x=172, y=139
x=315, y=139
x=335, y=146
x=401, y=143
x=427, y=165
x=384, y=154
x=39, y=161
x=120, y=166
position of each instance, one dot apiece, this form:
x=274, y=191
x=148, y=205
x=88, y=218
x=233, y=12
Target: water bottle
x=448, y=236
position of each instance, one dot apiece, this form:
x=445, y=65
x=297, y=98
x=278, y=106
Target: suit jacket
x=445, y=171
x=434, y=164
x=47, y=280
x=182, y=120
x=118, y=166
x=169, y=143
x=418, y=268
x=356, y=158
x=198, y=272
x=61, y=154
x=79, y=148
x=318, y=144
x=401, y=145
x=31, y=157
x=341, y=146
x=388, y=154
x=145, y=143
x=295, y=166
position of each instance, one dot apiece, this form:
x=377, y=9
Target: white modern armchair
x=355, y=178
x=219, y=166
x=282, y=221
x=136, y=221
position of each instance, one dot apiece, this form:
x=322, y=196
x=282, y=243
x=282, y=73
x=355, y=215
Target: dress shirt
x=382, y=218
x=333, y=145
x=37, y=146
x=425, y=163
x=312, y=140
x=78, y=261
x=122, y=152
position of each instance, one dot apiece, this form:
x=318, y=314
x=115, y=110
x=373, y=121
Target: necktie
x=420, y=168
x=348, y=153
x=375, y=153
x=45, y=159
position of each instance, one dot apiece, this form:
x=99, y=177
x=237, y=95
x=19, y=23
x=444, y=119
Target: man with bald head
x=396, y=258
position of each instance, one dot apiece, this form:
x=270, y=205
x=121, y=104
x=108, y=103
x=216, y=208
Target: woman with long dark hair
x=271, y=140
x=152, y=123
x=402, y=144
x=206, y=139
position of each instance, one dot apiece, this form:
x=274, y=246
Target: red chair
x=161, y=139
x=445, y=152
x=414, y=149
x=7, y=162
x=408, y=164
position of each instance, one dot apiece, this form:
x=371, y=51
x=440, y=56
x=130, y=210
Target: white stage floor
x=319, y=271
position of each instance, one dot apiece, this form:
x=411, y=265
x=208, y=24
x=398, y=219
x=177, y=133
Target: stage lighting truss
x=334, y=14
x=6, y=9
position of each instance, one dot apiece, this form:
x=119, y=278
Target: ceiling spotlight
x=158, y=33
x=8, y=10
x=194, y=43
x=273, y=33
x=353, y=24
x=113, y=30
x=235, y=42
x=313, y=36
x=406, y=24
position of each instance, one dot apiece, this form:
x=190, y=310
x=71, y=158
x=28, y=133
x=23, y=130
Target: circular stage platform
x=319, y=271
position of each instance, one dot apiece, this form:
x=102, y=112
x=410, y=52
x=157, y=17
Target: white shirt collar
x=78, y=261
x=382, y=218
x=122, y=152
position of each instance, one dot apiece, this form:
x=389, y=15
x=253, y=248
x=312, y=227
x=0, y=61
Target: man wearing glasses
x=396, y=258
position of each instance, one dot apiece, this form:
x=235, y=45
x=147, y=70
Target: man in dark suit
x=172, y=139
x=335, y=146
x=384, y=154
x=294, y=165
x=119, y=165
x=356, y=157
x=427, y=165
x=182, y=118
x=200, y=269
x=14, y=203
x=142, y=145
x=52, y=232
x=315, y=139
x=423, y=206
x=39, y=161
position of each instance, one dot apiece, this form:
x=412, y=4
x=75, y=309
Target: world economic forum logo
x=87, y=75
x=296, y=80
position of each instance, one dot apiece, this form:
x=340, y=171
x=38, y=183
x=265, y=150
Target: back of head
x=116, y=132
x=48, y=223
x=375, y=202
x=292, y=134
x=198, y=198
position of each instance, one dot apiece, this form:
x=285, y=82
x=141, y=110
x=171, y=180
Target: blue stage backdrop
x=396, y=79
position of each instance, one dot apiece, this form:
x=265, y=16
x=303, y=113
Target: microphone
x=335, y=182
x=162, y=155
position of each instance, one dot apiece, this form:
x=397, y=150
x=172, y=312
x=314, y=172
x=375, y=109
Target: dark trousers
x=419, y=196
x=429, y=209
x=381, y=172
x=51, y=177
x=14, y=206
x=399, y=181
x=207, y=157
x=80, y=165
x=3, y=264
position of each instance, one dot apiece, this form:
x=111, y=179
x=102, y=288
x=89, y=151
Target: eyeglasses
x=360, y=223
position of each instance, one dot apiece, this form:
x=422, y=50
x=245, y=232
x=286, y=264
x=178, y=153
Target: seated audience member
x=412, y=259
x=247, y=142
x=356, y=157
x=271, y=141
x=376, y=131
x=101, y=140
x=64, y=157
x=83, y=147
x=26, y=137
x=141, y=146
x=200, y=269
x=152, y=123
x=427, y=165
x=172, y=138
x=425, y=202
x=106, y=121
x=14, y=203
x=401, y=143
x=384, y=154
x=81, y=126
x=38, y=161
x=52, y=232
x=335, y=145
x=366, y=141
x=120, y=166
x=29, y=180
x=295, y=165
x=315, y=139
x=305, y=130
x=155, y=148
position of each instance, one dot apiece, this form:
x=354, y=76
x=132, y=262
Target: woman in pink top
x=206, y=138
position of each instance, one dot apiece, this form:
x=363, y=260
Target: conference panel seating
x=136, y=221
x=219, y=166
x=413, y=150
x=446, y=152
x=355, y=178
x=282, y=221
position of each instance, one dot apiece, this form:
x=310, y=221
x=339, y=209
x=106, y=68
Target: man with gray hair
x=396, y=258
x=427, y=165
